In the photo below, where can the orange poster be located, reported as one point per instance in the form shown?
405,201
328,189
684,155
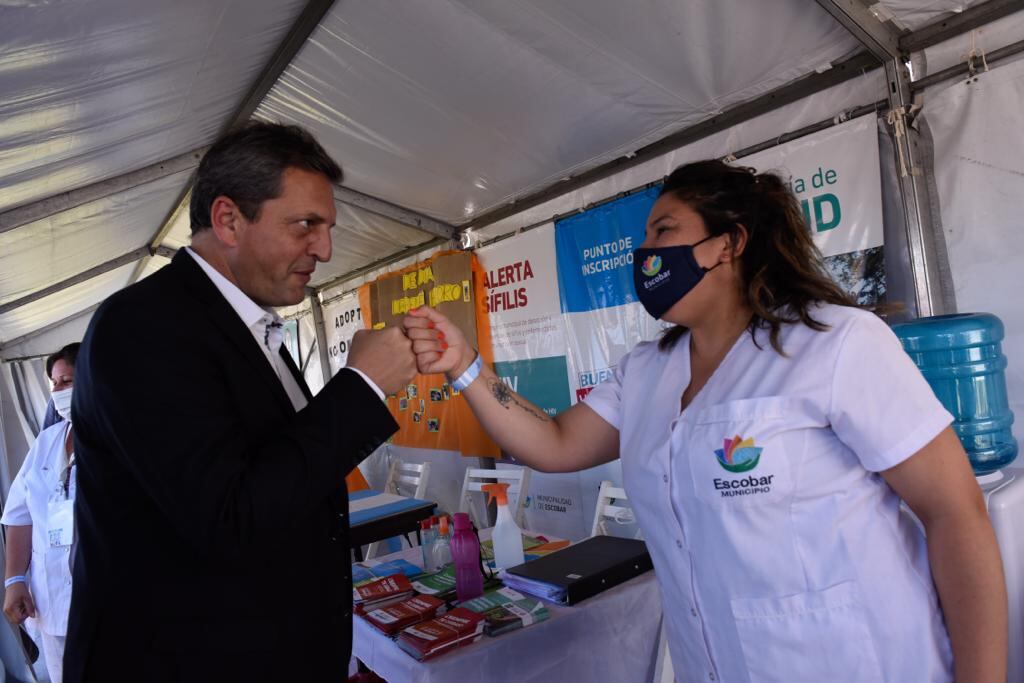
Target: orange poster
430,413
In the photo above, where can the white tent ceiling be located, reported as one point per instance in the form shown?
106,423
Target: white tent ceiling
52,309
913,14
450,108
446,108
95,88
65,244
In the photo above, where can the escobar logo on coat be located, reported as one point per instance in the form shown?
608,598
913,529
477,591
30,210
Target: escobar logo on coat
739,455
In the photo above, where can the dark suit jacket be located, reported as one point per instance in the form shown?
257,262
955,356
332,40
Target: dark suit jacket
211,517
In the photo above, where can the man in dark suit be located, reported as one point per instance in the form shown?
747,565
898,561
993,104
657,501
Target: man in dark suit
211,513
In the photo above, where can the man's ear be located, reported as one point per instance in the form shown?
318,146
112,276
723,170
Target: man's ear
226,220
735,244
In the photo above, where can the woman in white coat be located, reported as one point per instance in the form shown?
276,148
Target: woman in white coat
767,441
39,517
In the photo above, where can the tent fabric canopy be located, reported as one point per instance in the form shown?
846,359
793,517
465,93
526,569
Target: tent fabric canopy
96,88
446,108
69,242
23,320
515,95
913,14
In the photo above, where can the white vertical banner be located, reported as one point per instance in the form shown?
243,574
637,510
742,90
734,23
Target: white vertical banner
522,296
527,328
836,176
528,339
342,319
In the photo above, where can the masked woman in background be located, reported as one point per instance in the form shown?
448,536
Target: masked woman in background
767,441
39,517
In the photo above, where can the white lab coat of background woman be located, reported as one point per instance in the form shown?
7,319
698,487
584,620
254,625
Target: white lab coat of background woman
39,516
44,485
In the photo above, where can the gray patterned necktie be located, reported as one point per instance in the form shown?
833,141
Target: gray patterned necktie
273,336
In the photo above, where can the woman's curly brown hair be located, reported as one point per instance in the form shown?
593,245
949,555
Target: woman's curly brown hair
781,270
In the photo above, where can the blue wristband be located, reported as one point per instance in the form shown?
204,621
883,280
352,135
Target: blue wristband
13,580
471,373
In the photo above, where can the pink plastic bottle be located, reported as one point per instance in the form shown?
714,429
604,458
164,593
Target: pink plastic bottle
469,580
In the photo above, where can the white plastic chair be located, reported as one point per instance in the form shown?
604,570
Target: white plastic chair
404,479
609,507
407,479
518,479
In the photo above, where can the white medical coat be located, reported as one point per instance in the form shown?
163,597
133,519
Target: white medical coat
41,478
782,555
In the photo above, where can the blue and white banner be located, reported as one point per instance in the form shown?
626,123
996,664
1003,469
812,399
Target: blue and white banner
595,253
603,318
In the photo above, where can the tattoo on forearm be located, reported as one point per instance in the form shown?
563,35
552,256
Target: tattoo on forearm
504,396
501,392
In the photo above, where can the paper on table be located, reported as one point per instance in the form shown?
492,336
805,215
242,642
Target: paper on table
371,570
538,589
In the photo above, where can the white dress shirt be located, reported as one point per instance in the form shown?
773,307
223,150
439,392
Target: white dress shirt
781,553
257,318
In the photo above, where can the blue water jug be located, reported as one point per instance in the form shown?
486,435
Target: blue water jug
961,356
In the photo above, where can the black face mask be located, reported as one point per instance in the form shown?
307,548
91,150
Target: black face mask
664,275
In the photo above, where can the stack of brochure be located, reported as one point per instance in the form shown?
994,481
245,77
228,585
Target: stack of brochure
381,593
533,547
391,620
431,638
441,584
540,589
507,610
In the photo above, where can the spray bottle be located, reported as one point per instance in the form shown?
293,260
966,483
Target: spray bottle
469,580
507,538
442,551
427,536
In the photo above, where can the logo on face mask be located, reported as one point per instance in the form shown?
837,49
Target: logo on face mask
664,275
651,266
738,455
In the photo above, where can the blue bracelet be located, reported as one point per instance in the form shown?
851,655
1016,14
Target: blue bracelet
13,580
471,373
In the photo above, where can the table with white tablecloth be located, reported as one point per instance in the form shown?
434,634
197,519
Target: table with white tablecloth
610,637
